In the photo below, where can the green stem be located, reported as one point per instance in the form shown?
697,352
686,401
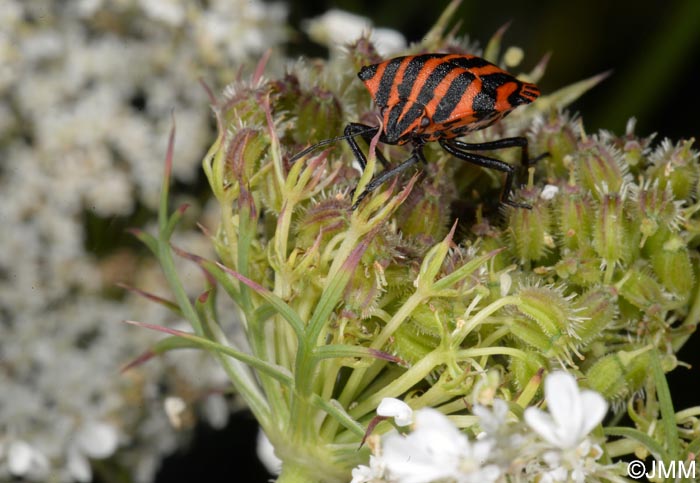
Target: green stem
480,317
292,473
401,384
355,381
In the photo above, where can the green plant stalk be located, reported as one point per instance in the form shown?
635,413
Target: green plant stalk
480,317
636,437
668,417
401,384
306,364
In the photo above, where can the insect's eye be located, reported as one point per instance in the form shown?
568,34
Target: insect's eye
383,111
424,122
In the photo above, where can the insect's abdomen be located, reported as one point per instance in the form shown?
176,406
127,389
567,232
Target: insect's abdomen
457,93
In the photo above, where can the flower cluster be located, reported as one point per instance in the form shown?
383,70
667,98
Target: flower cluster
347,303
87,88
553,446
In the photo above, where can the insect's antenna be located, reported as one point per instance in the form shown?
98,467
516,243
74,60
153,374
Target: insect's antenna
326,142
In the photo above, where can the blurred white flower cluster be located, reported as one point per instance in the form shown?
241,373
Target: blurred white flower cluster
552,446
87,88
337,28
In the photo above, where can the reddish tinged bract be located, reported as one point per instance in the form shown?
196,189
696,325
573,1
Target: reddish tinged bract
439,97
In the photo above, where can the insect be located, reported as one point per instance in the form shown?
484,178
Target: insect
439,97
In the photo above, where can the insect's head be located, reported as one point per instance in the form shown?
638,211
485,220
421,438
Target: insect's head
526,94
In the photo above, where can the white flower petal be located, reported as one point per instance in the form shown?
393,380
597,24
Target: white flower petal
491,420
266,454
25,460
216,410
542,424
79,466
436,450
390,407
361,474
97,440
595,407
572,413
19,457
365,474
563,400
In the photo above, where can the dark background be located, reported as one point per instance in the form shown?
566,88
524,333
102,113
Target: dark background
653,49
651,46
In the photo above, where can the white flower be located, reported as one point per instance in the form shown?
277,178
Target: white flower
397,409
436,450
573,413
368,474
168,11
491,421
25,460
337,28
216,411
95,440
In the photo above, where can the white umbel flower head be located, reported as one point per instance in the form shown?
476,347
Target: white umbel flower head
573,412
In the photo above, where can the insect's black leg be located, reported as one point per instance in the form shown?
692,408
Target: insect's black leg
455,148
514,142
357,130
385,176
367,132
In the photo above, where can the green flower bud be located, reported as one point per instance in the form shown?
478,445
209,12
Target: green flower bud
617,376
557,135
673,267
242,104
597,309
531,334
659,212
547,307
244,155
312,106
675,166
284,96
633,153
326,218
611,239
640,288
522,370
411,343
549,323
574,218
424,215
598,166
430,317
529,230
634,149
364,289
581,267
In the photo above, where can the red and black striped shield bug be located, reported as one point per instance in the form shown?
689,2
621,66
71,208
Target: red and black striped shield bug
439,97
